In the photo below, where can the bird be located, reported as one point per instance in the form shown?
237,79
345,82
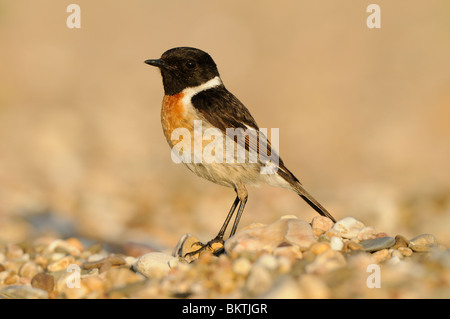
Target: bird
195,94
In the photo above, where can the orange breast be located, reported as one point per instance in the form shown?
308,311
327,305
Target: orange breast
175,115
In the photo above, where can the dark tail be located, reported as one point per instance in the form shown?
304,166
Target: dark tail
297,187
312,202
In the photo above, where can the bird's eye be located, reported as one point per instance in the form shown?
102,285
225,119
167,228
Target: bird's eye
191,64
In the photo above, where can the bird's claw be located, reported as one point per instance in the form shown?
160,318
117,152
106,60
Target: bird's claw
214,246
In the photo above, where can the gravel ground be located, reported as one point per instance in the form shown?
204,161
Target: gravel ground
289,258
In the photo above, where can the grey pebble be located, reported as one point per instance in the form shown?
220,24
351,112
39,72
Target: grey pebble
375,244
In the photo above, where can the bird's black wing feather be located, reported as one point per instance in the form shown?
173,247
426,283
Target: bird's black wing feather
223,110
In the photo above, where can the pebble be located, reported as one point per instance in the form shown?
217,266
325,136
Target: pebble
321,223
299,233
29,269
12,278
70,286
72,246
375,244
423,243
288,258
186,244
43,281
325,262
400,241
268,261
405,251
242,266
366,233
22,292
154,264
336,243
61,264
96,257
289,251
286,230
395,253
395,259
105,263
348,227
351,245
380,256
318,248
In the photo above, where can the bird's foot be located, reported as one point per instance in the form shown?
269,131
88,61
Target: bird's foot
214,246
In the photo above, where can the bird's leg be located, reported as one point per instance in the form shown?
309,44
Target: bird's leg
243,196
238,216
215,245
227,220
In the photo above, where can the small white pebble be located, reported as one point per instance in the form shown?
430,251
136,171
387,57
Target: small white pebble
96,257
268,261
348,227
288,217
394,260
336,243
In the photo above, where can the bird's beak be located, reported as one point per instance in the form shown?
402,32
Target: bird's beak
158,63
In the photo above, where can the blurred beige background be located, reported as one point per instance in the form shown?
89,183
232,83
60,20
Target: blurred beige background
363,114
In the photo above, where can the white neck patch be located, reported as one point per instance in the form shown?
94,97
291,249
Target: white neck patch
191,91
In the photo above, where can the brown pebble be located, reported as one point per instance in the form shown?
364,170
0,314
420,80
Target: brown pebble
317,232
381,255
284,244
106,263
351,245
320,247
400,241
76,243
12,279
331,233
43,281
41,261
405,251
61,264
116,260
105,267
322,223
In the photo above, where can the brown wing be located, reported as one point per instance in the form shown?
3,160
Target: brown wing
223,110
